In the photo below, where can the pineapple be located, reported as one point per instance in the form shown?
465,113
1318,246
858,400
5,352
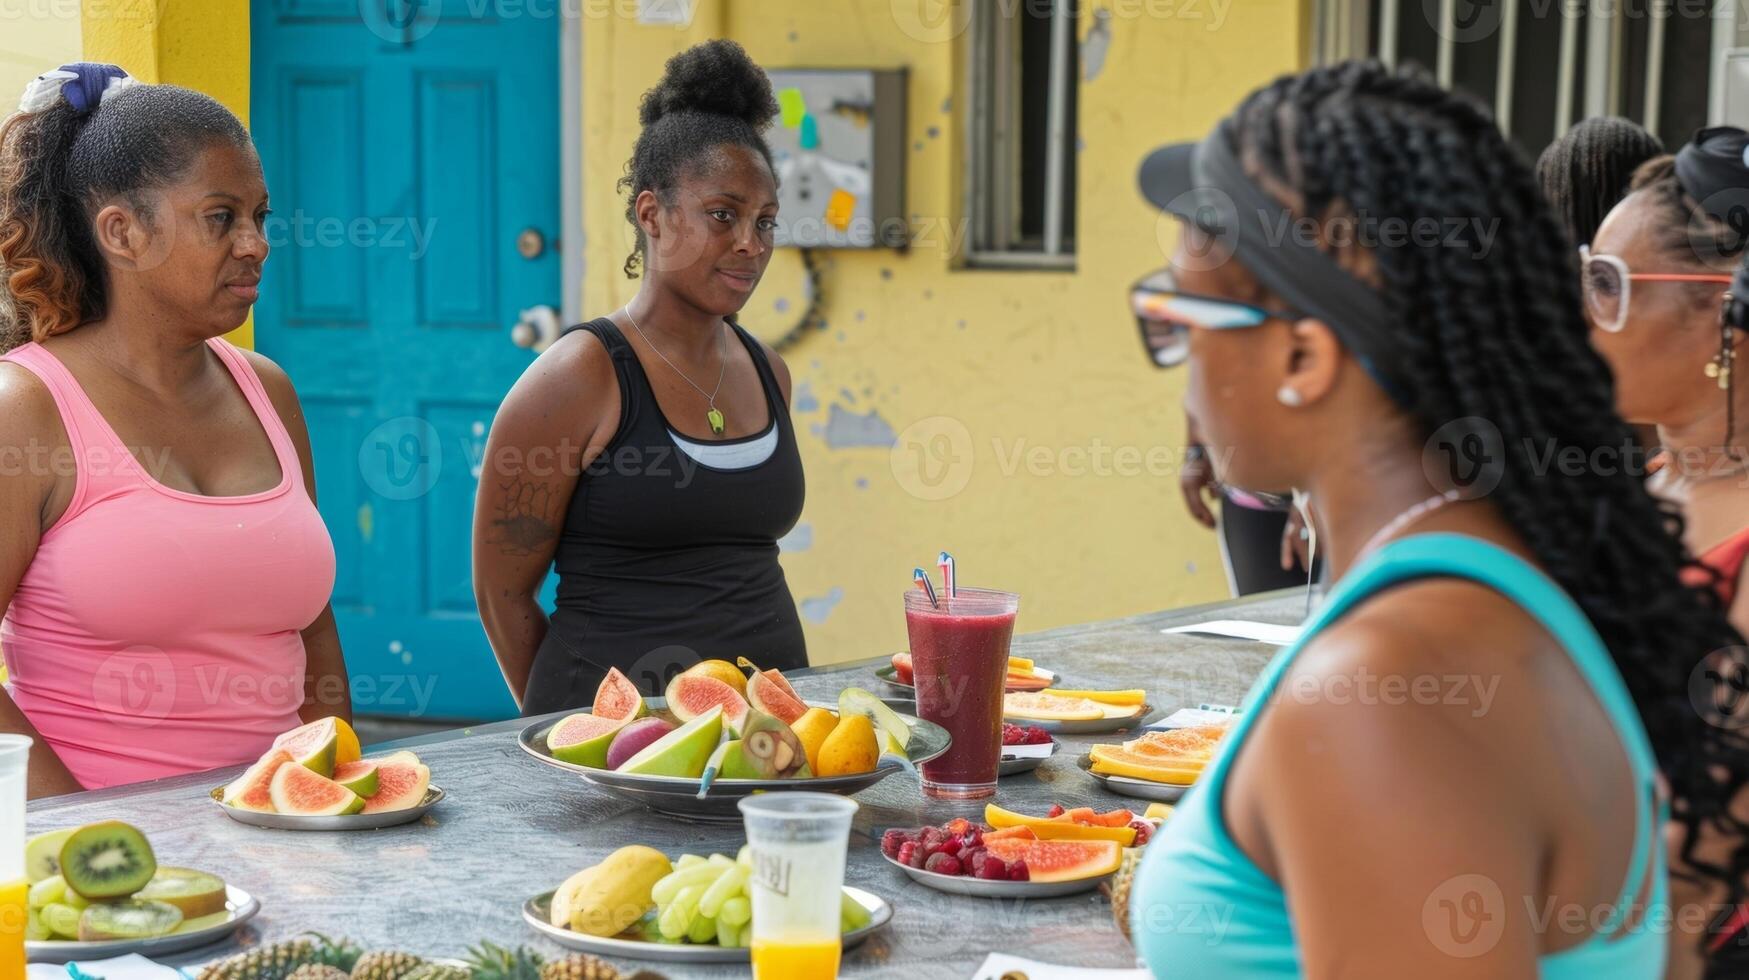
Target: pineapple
439,971
314,971
489,962
579,966
280,960
1119,889
385,965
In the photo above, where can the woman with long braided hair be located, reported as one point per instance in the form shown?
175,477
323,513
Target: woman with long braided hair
1456,771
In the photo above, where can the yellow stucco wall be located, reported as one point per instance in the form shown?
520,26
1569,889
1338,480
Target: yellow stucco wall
1029,388
35,35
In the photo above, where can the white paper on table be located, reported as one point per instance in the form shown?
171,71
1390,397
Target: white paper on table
1042,750
996,965
1243,629
133,967
1191,718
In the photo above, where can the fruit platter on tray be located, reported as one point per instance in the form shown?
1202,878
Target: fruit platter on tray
314,779
313,956
1024,748
98,891
1023,675
1013,855
709,742
1155,765
694,909
1076,712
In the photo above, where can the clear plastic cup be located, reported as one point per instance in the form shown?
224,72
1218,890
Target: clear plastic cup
797,842
959,656
14,888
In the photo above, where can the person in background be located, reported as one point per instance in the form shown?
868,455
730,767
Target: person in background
1351,834
1658,291
1263,536
672,465
163,570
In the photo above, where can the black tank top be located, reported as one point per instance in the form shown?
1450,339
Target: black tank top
664,561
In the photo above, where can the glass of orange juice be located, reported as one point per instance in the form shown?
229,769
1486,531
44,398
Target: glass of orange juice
798,842
14,888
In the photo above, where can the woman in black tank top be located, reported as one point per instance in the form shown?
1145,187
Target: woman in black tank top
649,455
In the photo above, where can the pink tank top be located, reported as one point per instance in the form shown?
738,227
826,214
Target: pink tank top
157,632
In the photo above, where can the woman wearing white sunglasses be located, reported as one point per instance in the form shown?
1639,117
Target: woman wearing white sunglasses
1658,291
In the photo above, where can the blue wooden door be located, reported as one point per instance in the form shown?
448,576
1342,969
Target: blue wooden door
406,150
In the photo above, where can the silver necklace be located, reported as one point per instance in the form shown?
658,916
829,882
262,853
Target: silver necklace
1407,517
714,416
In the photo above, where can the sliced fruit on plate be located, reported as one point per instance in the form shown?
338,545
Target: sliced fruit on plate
689,696
1157,811
775,697
401,785
1059,860
583,739
1087,815
903,672
132,919
194,893
1020,665
618,697
361,777
1006,833
1064,827
772,674
42,855
1184,746
301,792
1115,760
315,746
108,860
1134,696
856,701
632,739
250,790
1049,707
723,671
683,751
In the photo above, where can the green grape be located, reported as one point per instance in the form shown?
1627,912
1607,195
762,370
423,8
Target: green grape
672,922
50,889
76,900
703,929
722,861
34,930
736,911
701,873
726,933
744,857
687,861
733,882
852,912
62,920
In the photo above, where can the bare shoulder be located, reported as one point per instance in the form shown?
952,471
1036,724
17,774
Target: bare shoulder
27,410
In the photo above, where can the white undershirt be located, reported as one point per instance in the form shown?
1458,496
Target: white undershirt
729,456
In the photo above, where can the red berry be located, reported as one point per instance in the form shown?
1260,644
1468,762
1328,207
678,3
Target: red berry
903,854
1056,810
974,859
891,841
1017,871
1144,831
942,864
950,846
1037,736
973,838
993,869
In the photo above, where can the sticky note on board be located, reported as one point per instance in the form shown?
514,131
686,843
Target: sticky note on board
791,106
839,208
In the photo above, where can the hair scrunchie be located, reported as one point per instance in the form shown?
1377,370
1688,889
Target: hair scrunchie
84,84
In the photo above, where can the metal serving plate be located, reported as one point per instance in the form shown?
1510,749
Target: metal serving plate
241,905
890,675
357,821
1012,766
678,796
537,911
1141,789
1092,726
986,888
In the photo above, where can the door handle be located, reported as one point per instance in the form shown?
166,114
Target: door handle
537,328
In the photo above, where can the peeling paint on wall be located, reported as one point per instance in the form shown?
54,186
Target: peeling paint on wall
847,395
804,400
1095,45
815,609
847,430
800,538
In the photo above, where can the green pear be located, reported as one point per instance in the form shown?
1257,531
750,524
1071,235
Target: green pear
682,752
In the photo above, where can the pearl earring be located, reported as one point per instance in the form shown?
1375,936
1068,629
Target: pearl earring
1289,396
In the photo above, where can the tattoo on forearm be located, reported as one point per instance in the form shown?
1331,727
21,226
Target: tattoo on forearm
527,519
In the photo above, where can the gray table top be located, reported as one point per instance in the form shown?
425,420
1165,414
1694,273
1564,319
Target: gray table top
512,828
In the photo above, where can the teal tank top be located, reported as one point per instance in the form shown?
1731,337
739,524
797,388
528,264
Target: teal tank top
1195,865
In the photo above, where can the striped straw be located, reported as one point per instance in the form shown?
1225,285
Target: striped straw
921,577
947,579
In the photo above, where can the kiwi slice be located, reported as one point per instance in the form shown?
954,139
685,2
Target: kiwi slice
60,920
132,919
107,860
42,854
195,893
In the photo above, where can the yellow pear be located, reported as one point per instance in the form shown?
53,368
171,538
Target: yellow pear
850,749
812,729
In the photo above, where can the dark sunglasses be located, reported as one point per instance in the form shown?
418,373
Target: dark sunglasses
1166,314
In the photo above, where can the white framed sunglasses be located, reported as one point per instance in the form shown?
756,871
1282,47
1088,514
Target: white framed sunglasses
1606,282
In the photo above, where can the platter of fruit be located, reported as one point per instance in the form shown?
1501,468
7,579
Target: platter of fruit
1023,675
694,909
1156,765
313,956
315,779
1068,712
98,891
1012,855
707,743
1024,748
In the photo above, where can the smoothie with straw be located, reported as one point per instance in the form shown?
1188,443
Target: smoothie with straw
959,654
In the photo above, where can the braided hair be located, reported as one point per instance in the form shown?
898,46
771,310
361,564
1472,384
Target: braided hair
1587,172
59,165
1498,333
710,95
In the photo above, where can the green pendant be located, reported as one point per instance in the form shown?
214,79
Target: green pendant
716,420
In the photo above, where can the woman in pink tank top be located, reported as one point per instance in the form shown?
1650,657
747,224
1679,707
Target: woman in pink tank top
163,569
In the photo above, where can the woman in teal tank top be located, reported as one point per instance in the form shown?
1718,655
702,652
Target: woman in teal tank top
1455,773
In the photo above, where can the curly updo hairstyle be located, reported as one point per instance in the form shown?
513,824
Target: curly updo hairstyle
710,95
58,166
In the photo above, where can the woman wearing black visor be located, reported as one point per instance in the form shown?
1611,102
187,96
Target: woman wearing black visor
1374,303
